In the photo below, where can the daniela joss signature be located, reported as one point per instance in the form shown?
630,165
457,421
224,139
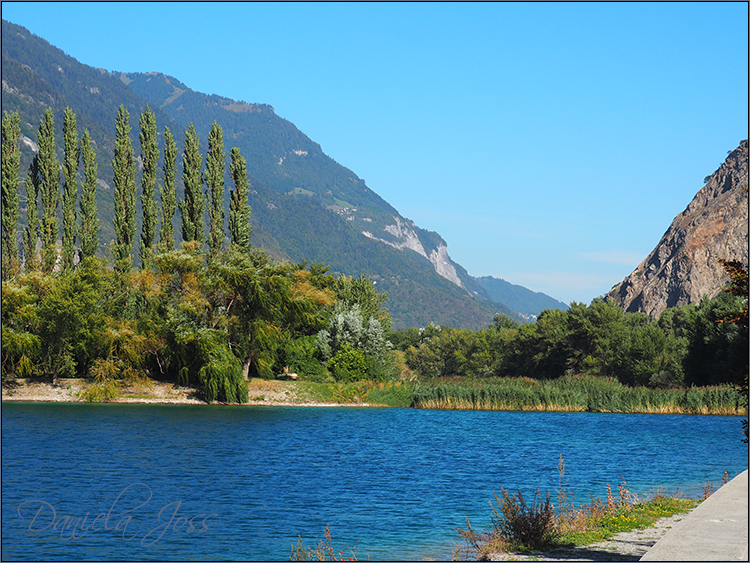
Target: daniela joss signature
120,519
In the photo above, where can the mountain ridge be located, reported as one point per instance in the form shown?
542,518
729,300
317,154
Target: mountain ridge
305,205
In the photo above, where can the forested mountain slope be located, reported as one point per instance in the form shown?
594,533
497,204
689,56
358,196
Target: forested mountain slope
305,206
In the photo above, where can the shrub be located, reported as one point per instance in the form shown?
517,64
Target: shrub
522,525
349,364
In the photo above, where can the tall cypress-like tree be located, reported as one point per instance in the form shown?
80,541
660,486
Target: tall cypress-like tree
214,175
31,235
192,207
11,162
125,191
49,186
239,210
150,158
70,171
168,193
88,232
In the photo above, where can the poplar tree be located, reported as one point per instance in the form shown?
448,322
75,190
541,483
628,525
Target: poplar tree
168,192
70,171
191,208
31,235
11,162
239,210
125,191
214,175
49,187
88,232
150,158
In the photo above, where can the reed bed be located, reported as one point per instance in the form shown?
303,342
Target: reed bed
574,394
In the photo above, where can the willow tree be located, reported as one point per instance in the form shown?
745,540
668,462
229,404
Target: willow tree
192,207
239,210
125,191
88,232
168,193
215,183
49,188
150,160
70,171
11,162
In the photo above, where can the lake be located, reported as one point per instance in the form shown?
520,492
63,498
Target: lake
184,482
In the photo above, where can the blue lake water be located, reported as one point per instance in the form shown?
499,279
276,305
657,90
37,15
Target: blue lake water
164,482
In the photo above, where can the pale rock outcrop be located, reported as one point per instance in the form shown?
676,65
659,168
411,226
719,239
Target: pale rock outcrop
408,238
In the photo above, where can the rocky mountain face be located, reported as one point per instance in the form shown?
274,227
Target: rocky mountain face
684,267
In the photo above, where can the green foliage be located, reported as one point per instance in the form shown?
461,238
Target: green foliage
192,207
301,356
240,228
70,171
214,177
11,161
31,233
348,364
49,189
125,191
168,193
88,232
150,162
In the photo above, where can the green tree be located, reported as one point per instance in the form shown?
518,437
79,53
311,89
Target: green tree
192,207
150,158
361,291
168,193
11,162
70,171
49,187
239,209
88,232
214,177
125,191
31,234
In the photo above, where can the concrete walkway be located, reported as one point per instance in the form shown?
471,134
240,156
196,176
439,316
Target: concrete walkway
716,530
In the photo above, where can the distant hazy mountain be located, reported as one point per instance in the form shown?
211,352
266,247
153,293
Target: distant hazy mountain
684,267
305,206
517,297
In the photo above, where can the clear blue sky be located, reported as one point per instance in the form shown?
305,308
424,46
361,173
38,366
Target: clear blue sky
550,145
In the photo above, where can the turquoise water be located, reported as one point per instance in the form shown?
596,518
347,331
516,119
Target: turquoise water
163,482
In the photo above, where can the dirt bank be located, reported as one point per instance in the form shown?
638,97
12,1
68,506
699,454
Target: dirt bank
260,392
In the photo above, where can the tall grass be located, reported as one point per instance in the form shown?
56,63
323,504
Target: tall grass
576,393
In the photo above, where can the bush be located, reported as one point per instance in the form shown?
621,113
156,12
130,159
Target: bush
349,364
521,525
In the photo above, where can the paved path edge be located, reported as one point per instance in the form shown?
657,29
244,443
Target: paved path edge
715,530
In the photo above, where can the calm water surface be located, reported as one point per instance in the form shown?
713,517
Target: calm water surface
158,482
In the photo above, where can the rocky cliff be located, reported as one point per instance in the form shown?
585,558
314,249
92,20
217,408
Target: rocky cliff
684,267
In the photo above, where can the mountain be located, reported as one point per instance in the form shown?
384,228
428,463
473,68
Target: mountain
305,205
518,298
684,267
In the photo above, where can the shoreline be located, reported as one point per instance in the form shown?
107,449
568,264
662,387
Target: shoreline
271,393
261,392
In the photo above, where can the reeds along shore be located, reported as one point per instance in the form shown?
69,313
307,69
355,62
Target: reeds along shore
575,394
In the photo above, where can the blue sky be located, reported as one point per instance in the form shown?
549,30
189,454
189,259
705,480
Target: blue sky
550,144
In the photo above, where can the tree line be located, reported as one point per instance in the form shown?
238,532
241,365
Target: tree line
209,319
39,250
692,345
